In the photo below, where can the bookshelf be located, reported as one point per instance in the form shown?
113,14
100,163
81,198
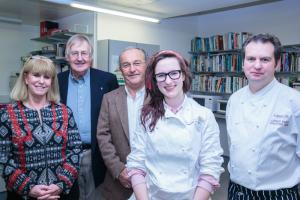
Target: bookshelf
216,64
289,71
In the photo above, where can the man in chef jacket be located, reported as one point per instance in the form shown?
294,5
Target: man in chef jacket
263,125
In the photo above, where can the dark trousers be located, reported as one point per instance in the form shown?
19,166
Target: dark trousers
238,192
73,195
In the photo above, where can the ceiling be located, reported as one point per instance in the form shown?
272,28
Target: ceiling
33,11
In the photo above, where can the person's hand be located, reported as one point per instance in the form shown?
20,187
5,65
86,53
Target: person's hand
44,192
49,197
124,179
54,192
38,191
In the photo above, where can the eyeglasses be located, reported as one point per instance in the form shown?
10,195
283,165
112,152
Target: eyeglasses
83,54
137,63
174,75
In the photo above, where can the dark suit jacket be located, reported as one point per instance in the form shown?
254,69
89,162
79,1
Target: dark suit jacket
101,82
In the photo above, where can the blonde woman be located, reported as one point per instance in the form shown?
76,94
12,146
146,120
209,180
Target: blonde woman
39,139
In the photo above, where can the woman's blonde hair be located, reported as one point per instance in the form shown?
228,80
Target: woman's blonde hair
36,64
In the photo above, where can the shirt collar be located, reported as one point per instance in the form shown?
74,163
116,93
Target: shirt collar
260,95
264,90
82,79
139,93
175,110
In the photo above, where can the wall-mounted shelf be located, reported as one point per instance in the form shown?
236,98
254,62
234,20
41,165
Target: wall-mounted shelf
219,73
57,37
58,40
229,51
224,94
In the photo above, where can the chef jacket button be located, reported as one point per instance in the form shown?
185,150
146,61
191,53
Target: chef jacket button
184,171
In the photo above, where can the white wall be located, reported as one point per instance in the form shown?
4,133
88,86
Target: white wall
15,42
279,18
169,34
81,23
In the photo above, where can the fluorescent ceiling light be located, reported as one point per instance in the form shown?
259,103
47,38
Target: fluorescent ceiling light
113,12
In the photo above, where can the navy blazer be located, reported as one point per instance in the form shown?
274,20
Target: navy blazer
101,83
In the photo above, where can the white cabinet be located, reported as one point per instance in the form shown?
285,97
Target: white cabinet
108,52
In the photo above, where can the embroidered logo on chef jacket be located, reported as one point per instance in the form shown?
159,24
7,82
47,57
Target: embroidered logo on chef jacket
279,119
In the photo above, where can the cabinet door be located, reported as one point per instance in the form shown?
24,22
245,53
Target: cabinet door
108,52
149,48
115,49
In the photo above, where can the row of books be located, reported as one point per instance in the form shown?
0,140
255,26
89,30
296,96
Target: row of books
287,80
216,63
233,62
229,84
227,41
217,84
290,62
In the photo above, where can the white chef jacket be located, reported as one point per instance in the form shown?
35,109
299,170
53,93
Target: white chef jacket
264,137
181,148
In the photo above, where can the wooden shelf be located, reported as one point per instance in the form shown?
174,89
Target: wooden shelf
57,37
210,93
285,48
221,73
229,51
293,48
59,60
287,73
220,115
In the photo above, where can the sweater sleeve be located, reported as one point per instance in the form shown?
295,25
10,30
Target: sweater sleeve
15,178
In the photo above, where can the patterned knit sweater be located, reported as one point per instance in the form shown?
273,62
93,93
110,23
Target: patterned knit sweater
38,152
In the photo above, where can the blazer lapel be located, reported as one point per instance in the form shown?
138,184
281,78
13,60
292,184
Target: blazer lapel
63,86
121,104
